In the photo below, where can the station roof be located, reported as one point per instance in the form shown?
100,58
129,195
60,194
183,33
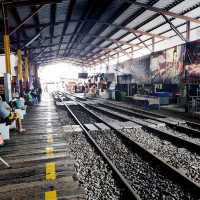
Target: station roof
88,31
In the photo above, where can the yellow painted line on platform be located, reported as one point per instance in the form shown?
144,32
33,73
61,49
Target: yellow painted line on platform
51,195
50,171
50,138
50,151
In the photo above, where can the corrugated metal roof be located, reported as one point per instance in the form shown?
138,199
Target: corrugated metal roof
69,18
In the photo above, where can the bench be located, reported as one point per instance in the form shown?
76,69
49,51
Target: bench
5,129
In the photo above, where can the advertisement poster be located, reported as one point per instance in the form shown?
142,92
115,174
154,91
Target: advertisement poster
138,68
192,60
167,66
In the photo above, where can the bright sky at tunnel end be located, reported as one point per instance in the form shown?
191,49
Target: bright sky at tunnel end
57,71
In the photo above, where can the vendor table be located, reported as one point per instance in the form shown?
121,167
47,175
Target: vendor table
148,102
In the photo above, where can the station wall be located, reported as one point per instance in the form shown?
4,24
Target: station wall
170,66
138,68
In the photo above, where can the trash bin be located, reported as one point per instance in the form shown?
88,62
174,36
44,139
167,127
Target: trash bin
123,96
117,95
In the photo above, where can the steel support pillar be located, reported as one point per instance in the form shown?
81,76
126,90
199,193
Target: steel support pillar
36,83
108,62
186,75
117,58
26,72
7,53
153,44
132,52
188,31
6,40
19,71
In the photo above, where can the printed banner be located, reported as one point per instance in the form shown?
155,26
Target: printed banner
192,60
167,66
138,68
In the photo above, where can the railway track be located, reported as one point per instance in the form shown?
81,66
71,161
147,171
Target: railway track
175,155
139,166
182,153
188,139
97,174
185,131
186,126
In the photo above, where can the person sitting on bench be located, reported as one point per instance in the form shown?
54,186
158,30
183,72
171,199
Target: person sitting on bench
8,116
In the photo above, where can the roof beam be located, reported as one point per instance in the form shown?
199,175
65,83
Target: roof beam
117,42
53,20
162,11
30,2
36,19
66,23
170,6
96,10
125,22
114,40
85,43
108,52
162,40
84,15
124,52
122,8
34,38
14,13
25,20
53,51
129,30
108,39
174,28
138,37
99,55
55,60
41,52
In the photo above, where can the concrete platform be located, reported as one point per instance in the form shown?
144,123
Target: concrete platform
41,165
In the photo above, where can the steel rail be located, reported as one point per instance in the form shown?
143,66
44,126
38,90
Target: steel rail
131,108
186,130
157,117
184,180
192,124
131,194
161,133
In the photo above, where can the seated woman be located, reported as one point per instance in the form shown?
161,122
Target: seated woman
8,116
